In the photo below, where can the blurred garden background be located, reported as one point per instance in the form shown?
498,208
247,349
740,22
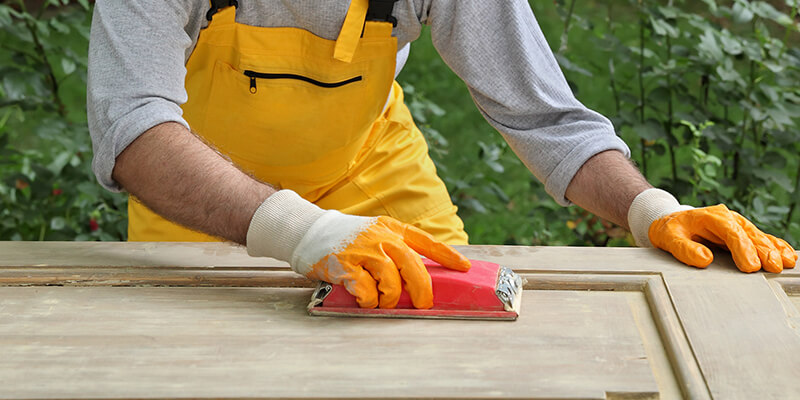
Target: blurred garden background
706,94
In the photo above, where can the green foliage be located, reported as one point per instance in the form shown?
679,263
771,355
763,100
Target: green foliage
703,165
47,189
707,95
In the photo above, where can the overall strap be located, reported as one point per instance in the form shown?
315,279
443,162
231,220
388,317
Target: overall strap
347,41
216,5
360,11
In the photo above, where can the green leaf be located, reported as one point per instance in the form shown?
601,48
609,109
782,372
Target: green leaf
43,28
5,15
726,72
709,47
770,92
779,116
4,119
710,170
568,65
57,223
756,113
774,66
730,44
669,12
766,10
474,204
59,162
647,52
75,161
781,210
698,154
712,5
778,177
753,50
495,166
659,94
775,159
59,26
712,159
741,12
14,87
496,190
650,130
663,28
68,66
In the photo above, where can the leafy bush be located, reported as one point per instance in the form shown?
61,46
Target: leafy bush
707,94
47,189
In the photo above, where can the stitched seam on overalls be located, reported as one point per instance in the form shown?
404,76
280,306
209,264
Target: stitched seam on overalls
433,211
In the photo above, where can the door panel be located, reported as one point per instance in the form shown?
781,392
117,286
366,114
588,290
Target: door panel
204,320
250,342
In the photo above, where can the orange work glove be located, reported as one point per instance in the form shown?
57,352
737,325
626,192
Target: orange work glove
370,257
681,230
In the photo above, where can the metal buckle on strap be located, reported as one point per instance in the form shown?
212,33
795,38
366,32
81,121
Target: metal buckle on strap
381,10
218,4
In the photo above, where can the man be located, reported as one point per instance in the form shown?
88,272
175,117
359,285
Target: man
299,96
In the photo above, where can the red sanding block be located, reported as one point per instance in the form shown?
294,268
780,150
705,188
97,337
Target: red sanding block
487,291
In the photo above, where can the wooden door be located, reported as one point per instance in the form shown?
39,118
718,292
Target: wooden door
145,320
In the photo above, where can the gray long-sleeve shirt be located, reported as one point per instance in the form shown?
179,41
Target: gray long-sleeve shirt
139,48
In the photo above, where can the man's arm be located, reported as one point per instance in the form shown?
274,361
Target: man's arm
179,177
606,186
497,48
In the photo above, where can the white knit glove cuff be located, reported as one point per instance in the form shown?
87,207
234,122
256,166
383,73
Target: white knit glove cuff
279,224
647,207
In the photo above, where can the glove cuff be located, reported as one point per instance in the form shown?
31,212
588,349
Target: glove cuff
279,224
647,207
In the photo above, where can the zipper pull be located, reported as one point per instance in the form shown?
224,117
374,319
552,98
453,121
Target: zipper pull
253,88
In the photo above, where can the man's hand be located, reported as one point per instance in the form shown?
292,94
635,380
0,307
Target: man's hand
370,257
657,219
680,233
609,186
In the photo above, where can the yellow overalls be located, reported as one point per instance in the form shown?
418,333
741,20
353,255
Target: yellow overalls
308,114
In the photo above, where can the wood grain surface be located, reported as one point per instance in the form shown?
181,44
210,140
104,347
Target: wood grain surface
181,320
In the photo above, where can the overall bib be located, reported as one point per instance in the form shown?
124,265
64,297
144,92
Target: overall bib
309,114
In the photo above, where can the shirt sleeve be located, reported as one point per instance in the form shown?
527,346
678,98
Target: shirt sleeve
136,74
499,51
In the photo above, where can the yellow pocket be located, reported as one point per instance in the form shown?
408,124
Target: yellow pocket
280,118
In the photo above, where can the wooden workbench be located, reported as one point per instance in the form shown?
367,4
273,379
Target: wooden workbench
146,320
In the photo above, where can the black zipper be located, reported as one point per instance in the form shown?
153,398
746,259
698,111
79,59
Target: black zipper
253,75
